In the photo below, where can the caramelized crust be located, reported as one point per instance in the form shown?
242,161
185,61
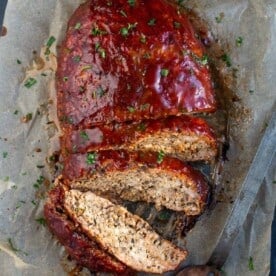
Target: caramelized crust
85,251
121,63
186,137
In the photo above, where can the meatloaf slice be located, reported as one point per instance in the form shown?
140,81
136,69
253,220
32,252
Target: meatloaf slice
84,250
124,235
127,62
188,138
139,176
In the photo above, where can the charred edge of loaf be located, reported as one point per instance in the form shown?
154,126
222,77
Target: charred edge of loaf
85,251
185,137
139,176
124,235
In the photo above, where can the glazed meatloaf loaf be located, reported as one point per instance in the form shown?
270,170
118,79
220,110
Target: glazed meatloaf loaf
188,138
139,176
123,237
130,60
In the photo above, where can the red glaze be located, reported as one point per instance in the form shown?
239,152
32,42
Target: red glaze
115,135
105,76
77,167
86,252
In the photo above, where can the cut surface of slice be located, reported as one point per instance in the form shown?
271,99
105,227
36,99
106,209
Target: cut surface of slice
122,234
139,176
185,137
147,64
85,251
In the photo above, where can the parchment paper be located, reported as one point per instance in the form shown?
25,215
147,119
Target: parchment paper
26,246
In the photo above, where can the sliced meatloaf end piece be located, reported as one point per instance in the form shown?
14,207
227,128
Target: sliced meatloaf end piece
85,251
185,137
139,176
117,68
124,235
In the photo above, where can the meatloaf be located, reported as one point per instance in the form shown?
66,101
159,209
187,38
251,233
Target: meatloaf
139,176
102,236
130,60
185,137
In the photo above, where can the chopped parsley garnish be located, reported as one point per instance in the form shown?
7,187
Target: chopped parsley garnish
122,12
27,118
251,91
177,25
84,135
65,79
91,158
204,60
145,106
30,82
15,112
152,22
164,215
160,157
250,264
239,41
40,166
102,52
219,17
5,154
76,59
131,109
39,182
180,2
14,187
96,31
13,248
131,2
6,179
125,30
41,221
227,60
164,72
50,41
141,127
18,61
274,182
100,91
34,203
143,38
146,55
86,67
77,26
43,75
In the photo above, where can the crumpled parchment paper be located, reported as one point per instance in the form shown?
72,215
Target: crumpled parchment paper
26,246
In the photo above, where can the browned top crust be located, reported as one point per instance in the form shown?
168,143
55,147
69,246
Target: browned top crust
123,62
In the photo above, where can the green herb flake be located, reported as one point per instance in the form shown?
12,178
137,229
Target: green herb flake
152,22
39,182
160,157
15,112
164,72
5,154
143,38
131,2
41,221
131,109
146,55
219,17
34,203
6,179
96,31
65,79
100,92
30,82
251,91
14,187
204,60
239,41
141,127
76,59
145,106
250,264
91,158
176,24
40,166
274,182
164,215
180,2
122,12
50,41
18,61
77,26
29,117
227,60
84,135
86,67
43,75
124,31
13,248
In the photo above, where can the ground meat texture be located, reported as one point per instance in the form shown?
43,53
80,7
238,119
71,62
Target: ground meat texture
122,234
85,251
139,176
185,137
122,62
